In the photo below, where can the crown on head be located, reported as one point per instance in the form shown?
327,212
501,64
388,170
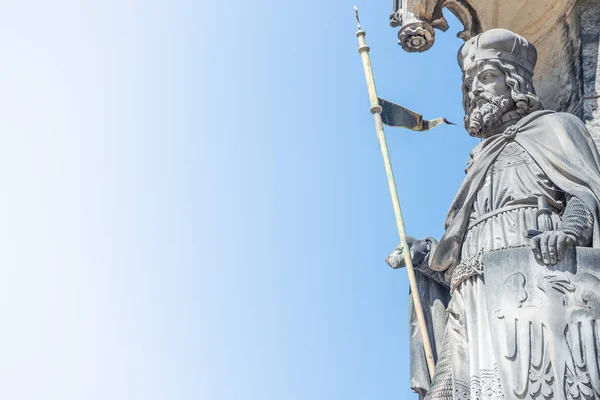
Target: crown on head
500,44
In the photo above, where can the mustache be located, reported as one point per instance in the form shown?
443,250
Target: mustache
488,97
484,116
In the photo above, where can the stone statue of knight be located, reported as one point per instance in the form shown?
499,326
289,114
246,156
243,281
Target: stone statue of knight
523,313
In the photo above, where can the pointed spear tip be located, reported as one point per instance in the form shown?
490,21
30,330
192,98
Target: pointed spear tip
357,20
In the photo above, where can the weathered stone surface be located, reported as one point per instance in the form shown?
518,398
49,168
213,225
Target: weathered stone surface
590,54
552,26
546,321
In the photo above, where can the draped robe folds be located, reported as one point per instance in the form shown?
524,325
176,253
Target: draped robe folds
559,143
561,160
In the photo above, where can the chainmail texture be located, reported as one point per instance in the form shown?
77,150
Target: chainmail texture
578,221
441,386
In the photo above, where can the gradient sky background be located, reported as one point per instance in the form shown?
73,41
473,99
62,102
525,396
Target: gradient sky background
194,203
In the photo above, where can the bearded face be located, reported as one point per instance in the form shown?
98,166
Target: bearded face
485,112
489,97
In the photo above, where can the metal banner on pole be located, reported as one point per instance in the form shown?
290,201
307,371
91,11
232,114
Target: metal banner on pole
376,110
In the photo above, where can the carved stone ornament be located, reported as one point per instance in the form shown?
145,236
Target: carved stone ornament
546,320
420,18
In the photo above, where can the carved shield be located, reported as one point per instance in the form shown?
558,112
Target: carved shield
546,323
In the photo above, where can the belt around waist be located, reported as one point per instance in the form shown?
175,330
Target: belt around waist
498,211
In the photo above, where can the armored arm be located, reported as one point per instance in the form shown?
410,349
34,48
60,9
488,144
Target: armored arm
577,221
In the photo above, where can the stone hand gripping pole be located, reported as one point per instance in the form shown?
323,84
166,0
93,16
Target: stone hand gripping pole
376,110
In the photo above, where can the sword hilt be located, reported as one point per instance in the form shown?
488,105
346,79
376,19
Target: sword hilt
531,233
544,215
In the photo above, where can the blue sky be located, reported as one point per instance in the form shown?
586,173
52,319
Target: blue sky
194,203
305,306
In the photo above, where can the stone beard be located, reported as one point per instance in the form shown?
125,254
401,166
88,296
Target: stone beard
487,114
519,326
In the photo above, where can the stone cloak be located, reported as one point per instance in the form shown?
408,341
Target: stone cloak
562,147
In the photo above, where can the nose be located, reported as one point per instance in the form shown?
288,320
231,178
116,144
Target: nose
475,93
477,87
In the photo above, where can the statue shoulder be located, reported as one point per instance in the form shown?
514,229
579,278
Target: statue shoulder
552,118
555,123
560,134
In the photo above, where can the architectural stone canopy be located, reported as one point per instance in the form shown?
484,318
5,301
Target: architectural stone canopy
566,34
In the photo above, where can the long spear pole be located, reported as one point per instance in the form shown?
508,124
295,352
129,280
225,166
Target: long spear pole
376,109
